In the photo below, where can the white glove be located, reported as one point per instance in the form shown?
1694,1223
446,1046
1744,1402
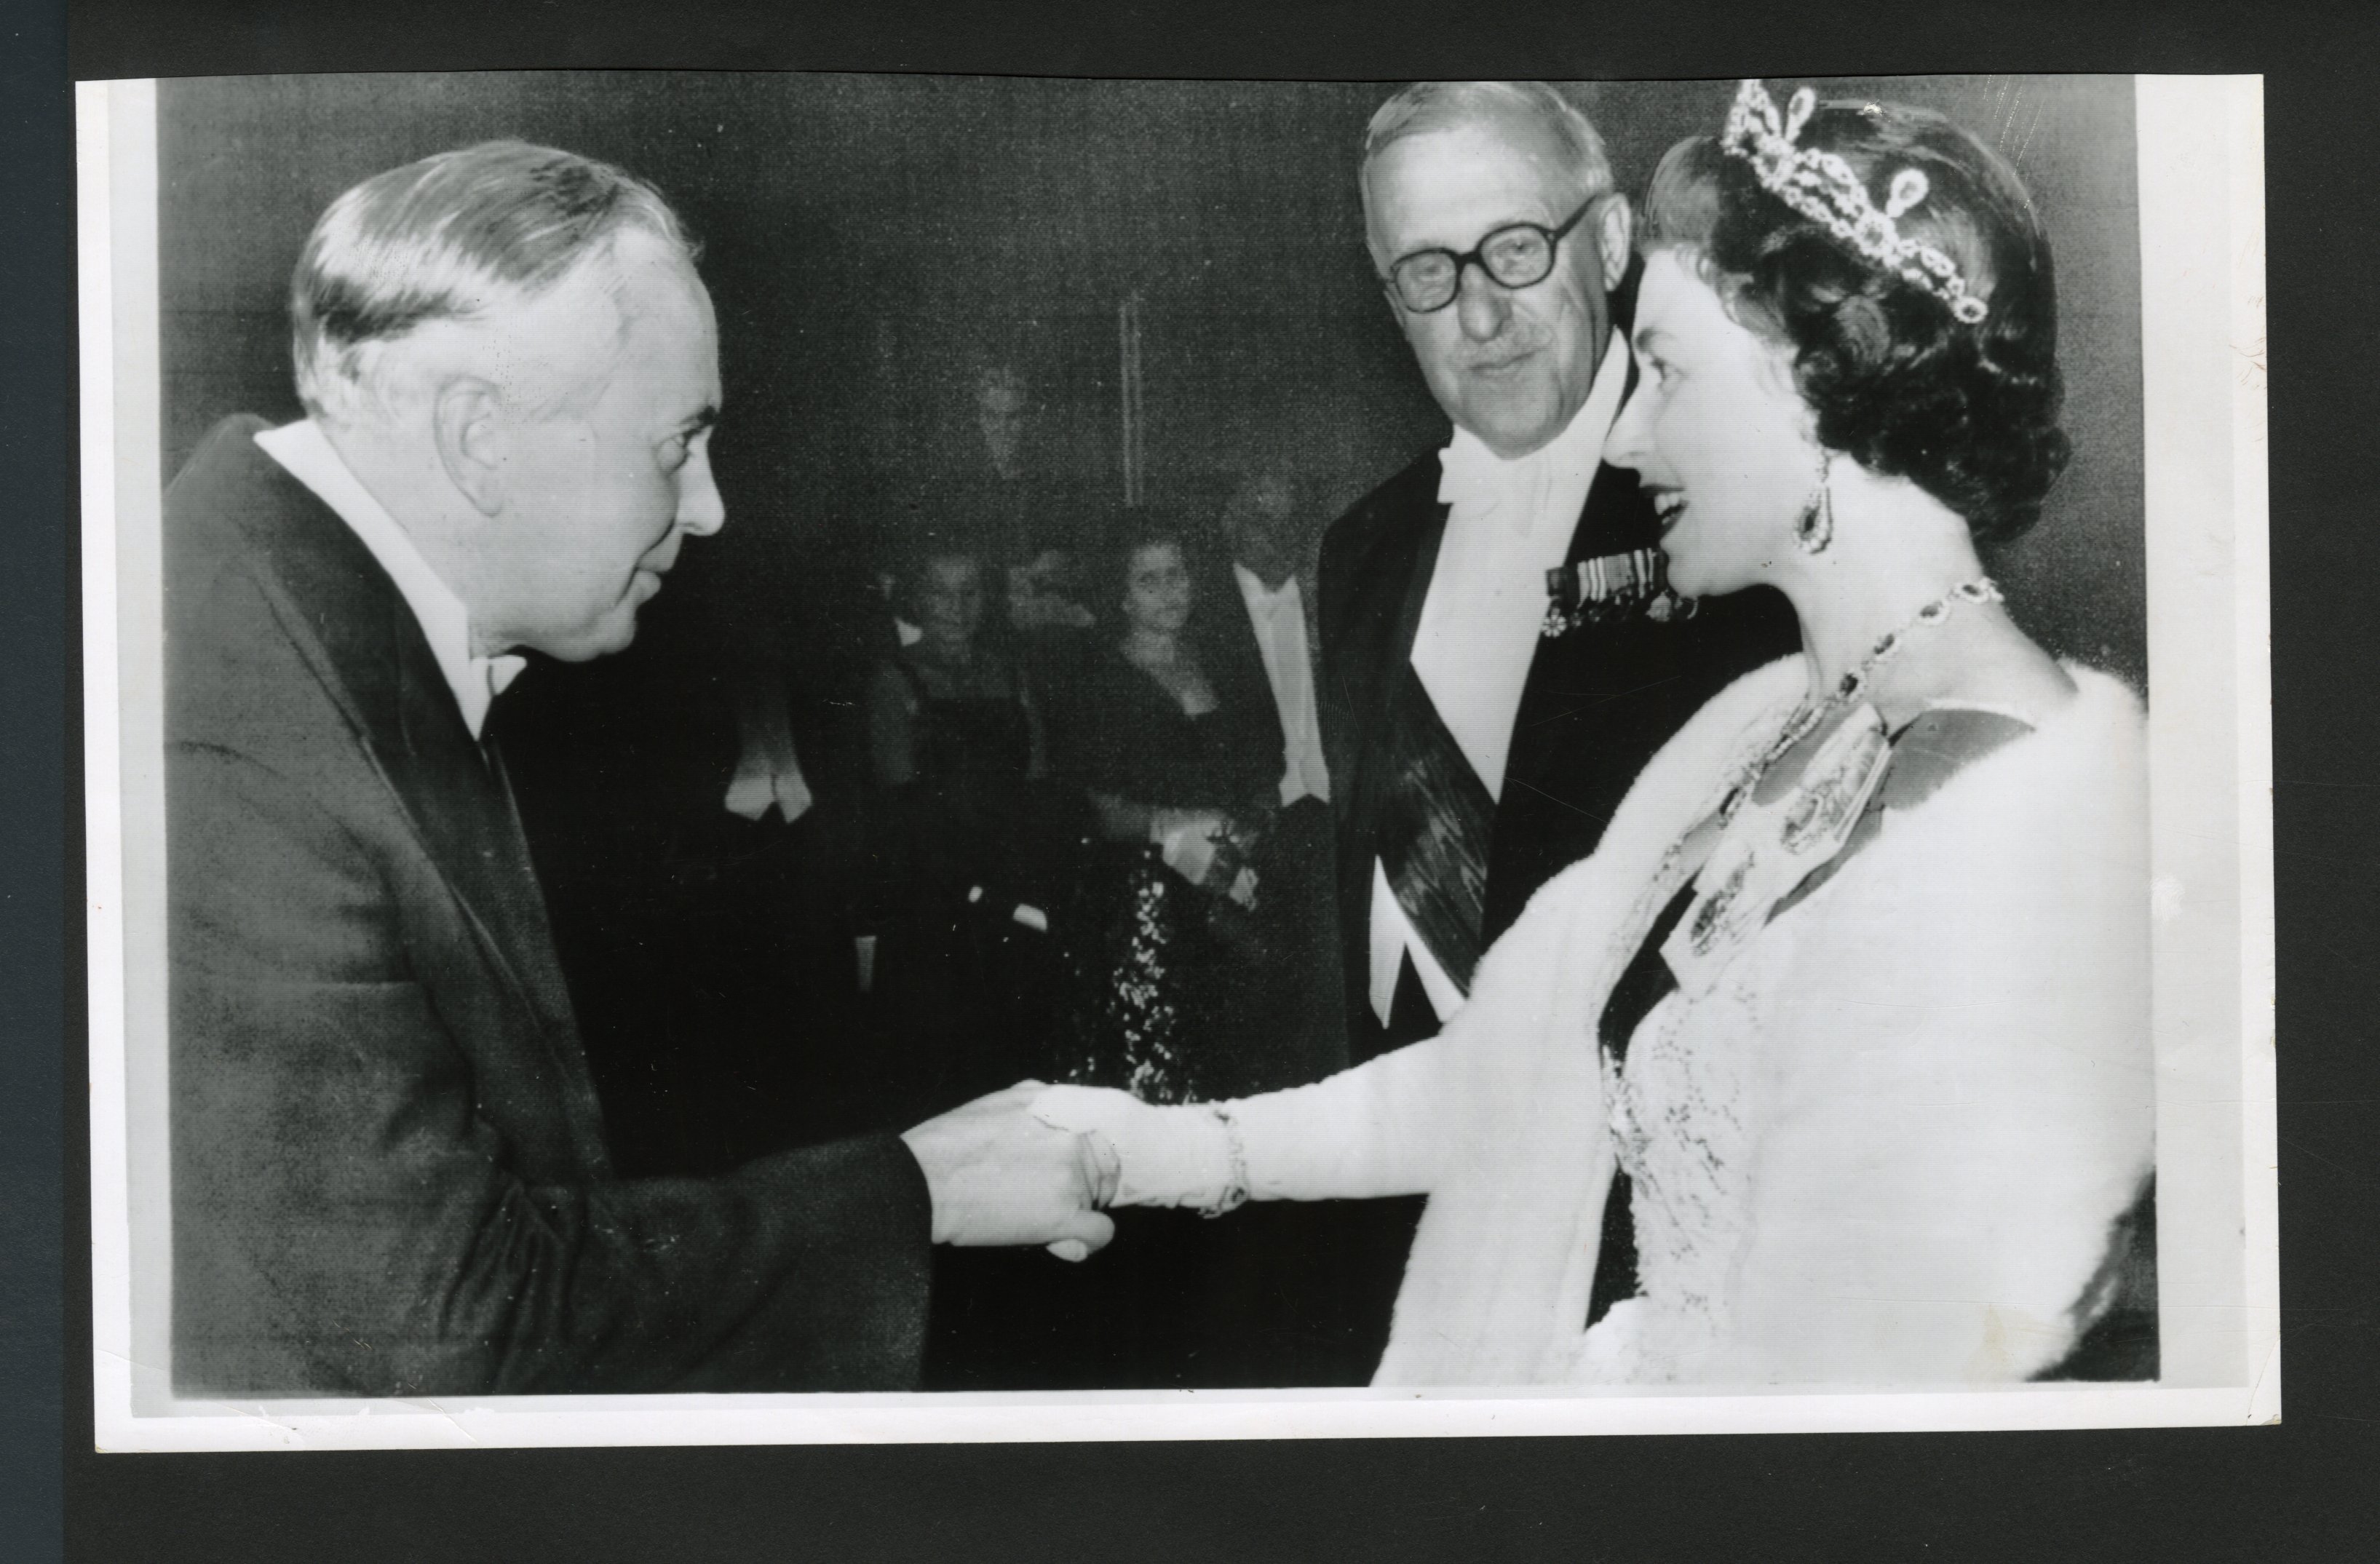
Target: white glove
1180,1156
997,1174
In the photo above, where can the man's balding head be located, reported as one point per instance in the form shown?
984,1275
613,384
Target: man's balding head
410,261
509,345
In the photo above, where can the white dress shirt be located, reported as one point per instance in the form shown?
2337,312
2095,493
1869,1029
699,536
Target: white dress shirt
1510,523
767,770
1279,615
308,455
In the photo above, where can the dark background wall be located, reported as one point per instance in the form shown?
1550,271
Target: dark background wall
871,240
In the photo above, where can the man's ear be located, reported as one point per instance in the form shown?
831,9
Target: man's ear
467,424
1397,312
1615,234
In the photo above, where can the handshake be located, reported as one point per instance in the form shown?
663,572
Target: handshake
1037,1164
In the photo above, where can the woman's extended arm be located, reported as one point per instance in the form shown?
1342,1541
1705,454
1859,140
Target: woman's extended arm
1363,1133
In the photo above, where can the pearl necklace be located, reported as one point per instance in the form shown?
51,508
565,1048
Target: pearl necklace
1809,717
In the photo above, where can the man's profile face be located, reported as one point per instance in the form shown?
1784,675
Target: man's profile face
601,491
1512,366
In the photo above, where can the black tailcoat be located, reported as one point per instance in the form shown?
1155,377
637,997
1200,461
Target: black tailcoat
1599,699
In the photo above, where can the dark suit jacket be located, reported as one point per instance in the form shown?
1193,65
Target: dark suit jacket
1599,701
389,1167
1227,640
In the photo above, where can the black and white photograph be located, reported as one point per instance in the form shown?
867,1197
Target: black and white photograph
808,757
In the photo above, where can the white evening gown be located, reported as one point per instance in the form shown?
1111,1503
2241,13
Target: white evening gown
1889,1145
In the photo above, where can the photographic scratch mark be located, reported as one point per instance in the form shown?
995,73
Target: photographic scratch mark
1558,799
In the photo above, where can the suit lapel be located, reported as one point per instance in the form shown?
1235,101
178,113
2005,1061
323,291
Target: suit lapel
1309,597
459,802
349,620
1232,637
1406,563
1615,518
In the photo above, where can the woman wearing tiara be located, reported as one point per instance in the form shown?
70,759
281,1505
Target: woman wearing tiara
1831,1066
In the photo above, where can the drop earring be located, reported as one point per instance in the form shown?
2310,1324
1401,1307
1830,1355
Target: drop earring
1816,529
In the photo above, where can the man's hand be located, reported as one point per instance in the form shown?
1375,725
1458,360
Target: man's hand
1000,1175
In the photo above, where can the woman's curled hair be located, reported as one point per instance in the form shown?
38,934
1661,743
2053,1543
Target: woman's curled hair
1132,534
1968,413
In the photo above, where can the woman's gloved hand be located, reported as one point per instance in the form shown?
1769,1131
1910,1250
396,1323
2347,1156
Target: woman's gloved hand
1171,1155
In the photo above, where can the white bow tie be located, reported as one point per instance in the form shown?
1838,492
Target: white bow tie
1476,478
500,672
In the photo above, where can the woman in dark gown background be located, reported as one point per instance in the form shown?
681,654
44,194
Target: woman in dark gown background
1166,947
1171,988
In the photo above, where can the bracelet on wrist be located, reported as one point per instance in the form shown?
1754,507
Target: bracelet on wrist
1235,1189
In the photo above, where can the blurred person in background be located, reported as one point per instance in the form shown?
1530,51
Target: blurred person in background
966,838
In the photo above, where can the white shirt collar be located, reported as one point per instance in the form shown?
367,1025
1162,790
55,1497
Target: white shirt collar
308,455
1252,587
1480,482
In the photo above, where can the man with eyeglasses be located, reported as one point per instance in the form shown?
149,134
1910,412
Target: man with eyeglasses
1500,653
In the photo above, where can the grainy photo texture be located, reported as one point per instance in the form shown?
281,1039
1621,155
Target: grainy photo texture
960,740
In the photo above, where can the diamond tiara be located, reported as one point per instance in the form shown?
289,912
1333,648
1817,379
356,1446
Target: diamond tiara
1822,187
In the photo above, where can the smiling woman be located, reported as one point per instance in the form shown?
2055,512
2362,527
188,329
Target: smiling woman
1718,432
874,243
1961,395
1232,206
1874,918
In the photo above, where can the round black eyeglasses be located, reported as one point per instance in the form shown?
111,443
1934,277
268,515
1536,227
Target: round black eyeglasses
1518,255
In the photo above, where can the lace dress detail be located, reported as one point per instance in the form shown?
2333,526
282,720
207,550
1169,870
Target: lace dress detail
1681,1128
1680,1093
1676,1108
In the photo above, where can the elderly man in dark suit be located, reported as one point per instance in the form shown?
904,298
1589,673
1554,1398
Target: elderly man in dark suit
1500,653
389,1175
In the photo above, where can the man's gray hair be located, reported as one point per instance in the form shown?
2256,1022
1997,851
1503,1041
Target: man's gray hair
1438,105
451,238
